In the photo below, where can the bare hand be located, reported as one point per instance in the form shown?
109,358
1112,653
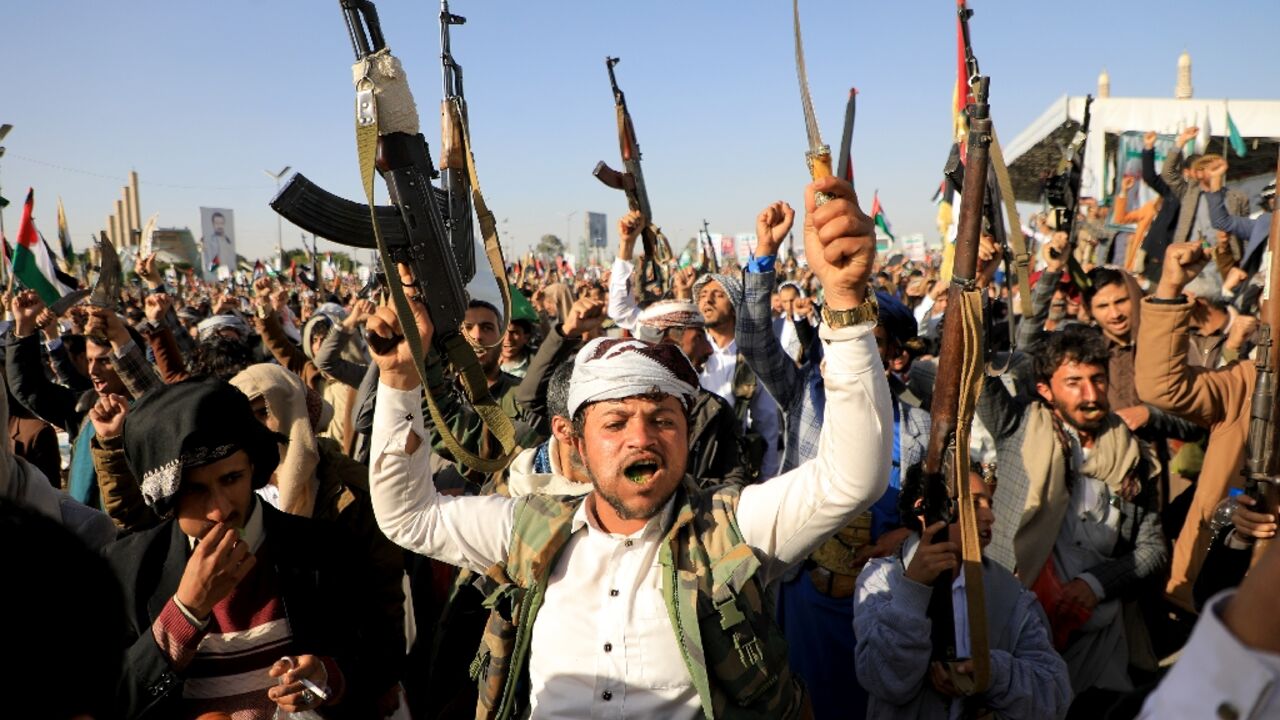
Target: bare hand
262,288
1126,184
361,310
940,677
1241,332
1149,139
148,270
103,322
1078,593
1135,417
585,316
1252,524
839,242
629,228
1055,252
1182,263
932,559
386,338
26,308
772,225
218,563
48,323
107,415
156,307
803,307
288,695
682,283
1186,135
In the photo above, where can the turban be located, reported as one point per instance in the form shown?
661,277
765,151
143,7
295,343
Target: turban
211,325
665,315
896,318
616,368
732,287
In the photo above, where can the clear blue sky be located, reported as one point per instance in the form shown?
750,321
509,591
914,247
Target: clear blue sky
201,97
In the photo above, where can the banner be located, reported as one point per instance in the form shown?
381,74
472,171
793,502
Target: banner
597,230
1128,163
217,240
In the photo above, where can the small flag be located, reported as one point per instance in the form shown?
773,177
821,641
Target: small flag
33,265
877,214
1233,136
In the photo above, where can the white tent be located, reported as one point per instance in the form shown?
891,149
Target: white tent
1035,151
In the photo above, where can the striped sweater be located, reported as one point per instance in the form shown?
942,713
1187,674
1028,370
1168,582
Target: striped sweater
225,662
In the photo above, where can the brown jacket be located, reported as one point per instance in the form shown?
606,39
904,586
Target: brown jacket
1217,399
36,441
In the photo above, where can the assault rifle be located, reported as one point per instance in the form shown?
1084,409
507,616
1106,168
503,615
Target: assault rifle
1262,471
708,250
1062,191
420,227
654,273
946,463
426,228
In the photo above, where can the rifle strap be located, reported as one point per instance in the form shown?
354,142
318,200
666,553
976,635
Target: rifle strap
457,349
971,375
1021,256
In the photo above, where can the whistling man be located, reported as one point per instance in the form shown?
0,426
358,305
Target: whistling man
647,598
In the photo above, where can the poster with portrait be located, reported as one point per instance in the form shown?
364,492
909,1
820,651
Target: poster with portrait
597,230
217,240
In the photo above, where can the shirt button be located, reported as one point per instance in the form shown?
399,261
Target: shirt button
613,593
606,696
608,647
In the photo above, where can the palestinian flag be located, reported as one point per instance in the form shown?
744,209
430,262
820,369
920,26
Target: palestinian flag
877,215
33,264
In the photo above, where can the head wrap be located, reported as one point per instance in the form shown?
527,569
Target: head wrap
190,424
616,368
211,325
794,286
286,398
896,318
732,288
655,320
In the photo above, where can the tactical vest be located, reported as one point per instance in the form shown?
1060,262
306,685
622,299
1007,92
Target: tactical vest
723,617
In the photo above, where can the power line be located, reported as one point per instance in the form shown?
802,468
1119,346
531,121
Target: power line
119,179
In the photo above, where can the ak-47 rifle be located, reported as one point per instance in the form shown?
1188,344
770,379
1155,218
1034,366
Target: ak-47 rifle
946,463
1262,472
1062,191
655,270
708,250
426,228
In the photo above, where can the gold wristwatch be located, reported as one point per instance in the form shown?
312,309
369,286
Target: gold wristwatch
868,311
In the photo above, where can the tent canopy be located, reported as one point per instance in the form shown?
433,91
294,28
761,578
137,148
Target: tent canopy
1034,153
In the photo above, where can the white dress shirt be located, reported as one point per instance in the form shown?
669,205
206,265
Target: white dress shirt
603,643
762,414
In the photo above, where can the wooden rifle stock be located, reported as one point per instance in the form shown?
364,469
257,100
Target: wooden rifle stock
1262,470
946,464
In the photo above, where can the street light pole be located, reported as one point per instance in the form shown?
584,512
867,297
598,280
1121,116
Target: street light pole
568,219
279,223
4,130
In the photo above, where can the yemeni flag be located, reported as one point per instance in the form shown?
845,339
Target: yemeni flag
33,264
877,214
1233,136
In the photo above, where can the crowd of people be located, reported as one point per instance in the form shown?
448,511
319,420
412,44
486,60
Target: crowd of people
715,507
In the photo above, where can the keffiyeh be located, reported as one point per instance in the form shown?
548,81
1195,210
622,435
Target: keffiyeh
664,315
616,368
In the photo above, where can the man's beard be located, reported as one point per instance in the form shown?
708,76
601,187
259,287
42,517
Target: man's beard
619,507
1088,425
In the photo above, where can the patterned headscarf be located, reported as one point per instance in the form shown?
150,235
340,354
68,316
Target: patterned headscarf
655,320
616,368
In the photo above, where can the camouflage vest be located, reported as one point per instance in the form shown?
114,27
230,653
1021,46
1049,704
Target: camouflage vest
723,617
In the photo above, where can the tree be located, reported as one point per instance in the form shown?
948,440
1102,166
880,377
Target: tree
550,246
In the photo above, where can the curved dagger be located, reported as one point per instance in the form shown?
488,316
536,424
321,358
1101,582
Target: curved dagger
819,154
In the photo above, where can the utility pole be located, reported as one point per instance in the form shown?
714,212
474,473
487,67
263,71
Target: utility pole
279,223
4,270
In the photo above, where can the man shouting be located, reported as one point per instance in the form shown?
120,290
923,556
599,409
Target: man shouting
646,597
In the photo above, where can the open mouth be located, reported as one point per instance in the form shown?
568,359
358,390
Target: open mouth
642,471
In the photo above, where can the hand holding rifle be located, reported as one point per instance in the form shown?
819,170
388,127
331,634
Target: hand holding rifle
386,339
932,559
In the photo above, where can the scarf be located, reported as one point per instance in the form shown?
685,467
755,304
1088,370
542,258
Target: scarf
286,398
614,368
1115,454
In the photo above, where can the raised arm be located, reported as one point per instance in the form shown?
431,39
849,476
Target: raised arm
469,531
51,402
785,518
1149,174
1161,373
328,357
1241,227
622,301
754,332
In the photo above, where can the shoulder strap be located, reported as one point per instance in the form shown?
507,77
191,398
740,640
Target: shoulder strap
543,524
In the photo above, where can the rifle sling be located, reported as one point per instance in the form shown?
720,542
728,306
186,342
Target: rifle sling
1021,258
457,349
